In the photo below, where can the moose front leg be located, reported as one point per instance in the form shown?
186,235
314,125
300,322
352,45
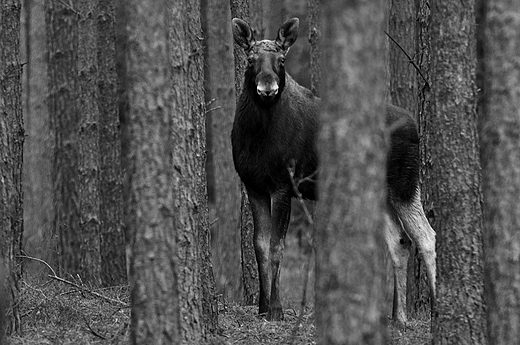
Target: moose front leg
281,213
261,208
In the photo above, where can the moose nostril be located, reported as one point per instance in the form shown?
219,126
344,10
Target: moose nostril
267,92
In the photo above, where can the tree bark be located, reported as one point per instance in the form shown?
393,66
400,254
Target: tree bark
315,45
189,155
240,9
38,209
500,156
153,268
226,185
459,316
62,45
349,246
11,152
419,301
113,259
89,268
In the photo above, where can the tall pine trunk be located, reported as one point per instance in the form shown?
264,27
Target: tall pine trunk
112,240
151,219
459,316
11,153
500,154
349,246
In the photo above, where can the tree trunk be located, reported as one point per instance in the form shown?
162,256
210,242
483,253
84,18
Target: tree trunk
113,260
62,44
226,185
349,245
240,9
500,155
89,268
418,301
459,315
11,152
189,156
314,41
38,209
151,220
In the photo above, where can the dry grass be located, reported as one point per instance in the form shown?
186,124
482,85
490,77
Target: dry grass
57,313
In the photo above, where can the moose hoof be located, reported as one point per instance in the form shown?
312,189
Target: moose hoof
275,314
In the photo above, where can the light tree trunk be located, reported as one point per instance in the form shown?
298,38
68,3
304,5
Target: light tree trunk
151,220
500,155
349,245
189,156
11,152
459,316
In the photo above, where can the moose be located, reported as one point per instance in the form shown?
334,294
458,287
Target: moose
274,138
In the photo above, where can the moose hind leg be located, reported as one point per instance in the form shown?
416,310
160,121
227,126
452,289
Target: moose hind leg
281,212
261,209
398,246
418,228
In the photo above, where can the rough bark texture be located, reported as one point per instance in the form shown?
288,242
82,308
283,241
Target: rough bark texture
500,155
418,299
62,46
38,209
11,157
459,316
314,41
349,246
226,184
189,156
153,269
89,268
113,260
240,9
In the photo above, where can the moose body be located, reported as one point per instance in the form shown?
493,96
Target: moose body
274,143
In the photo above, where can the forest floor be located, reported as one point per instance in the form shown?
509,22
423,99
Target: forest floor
56,313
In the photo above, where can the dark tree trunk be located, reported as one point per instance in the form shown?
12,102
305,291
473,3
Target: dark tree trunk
240,9
459,316
189,156
151,219
500,155
349,245
226,185
113,260
11,156
62,44
89,255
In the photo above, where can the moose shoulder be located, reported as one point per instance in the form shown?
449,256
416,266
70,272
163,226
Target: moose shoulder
274,136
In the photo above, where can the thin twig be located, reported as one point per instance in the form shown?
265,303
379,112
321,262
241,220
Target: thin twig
410,60
92,330
80,287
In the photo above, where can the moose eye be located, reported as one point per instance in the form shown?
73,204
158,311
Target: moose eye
250,60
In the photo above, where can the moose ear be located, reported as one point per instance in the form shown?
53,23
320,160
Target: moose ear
243,34
288,33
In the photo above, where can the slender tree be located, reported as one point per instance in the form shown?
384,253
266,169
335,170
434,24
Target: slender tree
226,186
38,147
240,9
349,246
314,41
62,47
151,219
189,156
459,317
112,240
500,155
89,265
11,151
